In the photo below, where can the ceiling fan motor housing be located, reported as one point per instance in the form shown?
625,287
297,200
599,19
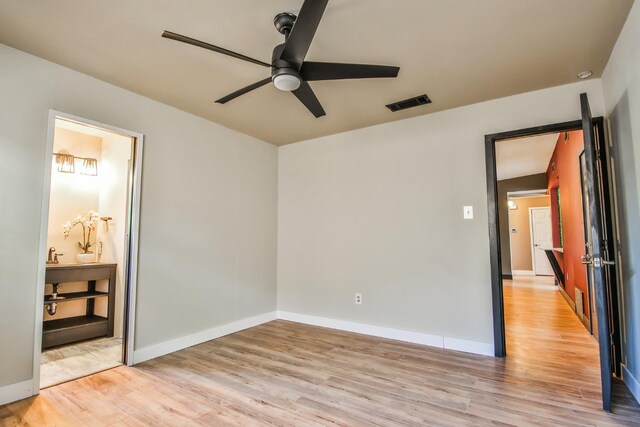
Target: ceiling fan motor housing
284,75
284,22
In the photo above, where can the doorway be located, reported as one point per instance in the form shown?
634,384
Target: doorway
605,284
540,220
87,274
527,234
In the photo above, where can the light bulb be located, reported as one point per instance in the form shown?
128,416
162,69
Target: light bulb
286,82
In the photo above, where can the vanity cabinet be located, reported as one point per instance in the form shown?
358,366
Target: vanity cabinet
78,328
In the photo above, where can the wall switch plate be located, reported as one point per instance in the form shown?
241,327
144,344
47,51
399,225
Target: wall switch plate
468,212
358,298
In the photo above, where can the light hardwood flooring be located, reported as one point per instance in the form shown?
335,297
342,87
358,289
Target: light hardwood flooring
283,373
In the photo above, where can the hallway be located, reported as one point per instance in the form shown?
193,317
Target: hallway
546,340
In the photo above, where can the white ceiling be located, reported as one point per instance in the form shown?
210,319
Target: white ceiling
524,156
457,51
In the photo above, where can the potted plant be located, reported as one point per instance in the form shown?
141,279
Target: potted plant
88,223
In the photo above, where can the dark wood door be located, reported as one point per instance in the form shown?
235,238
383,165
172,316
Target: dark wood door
596,253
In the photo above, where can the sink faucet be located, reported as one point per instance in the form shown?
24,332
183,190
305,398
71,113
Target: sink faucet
53,257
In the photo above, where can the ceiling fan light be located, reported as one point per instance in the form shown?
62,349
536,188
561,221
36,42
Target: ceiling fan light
286,82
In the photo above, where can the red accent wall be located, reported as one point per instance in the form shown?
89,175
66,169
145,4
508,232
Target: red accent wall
564,173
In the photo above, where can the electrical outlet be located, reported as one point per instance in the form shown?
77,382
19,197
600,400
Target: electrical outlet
358,298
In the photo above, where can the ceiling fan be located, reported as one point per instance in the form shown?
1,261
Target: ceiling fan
289,71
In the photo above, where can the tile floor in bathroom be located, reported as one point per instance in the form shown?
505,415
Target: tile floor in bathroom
61,364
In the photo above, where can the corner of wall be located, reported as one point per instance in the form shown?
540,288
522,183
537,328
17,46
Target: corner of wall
18,391
157,350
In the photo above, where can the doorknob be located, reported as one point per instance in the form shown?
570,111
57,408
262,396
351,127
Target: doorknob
597,262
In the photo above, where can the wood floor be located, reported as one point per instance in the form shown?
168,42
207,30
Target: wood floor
284,373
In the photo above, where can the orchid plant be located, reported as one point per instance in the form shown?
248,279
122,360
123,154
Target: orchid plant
88,223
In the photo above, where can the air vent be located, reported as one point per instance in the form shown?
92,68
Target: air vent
409,103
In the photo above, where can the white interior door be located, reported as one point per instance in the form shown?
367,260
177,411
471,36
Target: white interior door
541,239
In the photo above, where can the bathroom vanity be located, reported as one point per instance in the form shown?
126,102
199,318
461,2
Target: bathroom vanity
78,328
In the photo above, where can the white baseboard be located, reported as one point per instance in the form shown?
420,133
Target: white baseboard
18,391
176,344
394,334
631,382
467,346
523,273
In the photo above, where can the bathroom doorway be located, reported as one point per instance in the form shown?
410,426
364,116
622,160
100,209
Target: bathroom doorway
89,250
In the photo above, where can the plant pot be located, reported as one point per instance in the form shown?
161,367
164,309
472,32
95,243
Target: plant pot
86,258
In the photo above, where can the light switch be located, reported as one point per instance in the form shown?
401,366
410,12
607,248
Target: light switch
468,212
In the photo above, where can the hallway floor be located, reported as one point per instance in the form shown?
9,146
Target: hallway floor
546,339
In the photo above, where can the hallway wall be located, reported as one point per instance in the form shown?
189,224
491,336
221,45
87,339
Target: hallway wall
523,183
521,257
564,173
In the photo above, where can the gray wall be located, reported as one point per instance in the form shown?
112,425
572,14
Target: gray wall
522,183
621,83
208,220
380,211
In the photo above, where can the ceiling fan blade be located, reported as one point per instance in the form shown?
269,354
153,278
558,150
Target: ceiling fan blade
298,42
244,90
305,94
313,71
194,42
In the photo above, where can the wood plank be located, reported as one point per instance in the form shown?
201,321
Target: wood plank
287,374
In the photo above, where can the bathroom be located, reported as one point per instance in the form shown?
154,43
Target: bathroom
83,329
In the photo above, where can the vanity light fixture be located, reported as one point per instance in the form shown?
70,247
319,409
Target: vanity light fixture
89,166
65,163
512,205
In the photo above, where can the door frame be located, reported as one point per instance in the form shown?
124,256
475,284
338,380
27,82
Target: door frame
533,249
130,269
499,336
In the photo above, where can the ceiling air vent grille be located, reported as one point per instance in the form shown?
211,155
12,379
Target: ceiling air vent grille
409,103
